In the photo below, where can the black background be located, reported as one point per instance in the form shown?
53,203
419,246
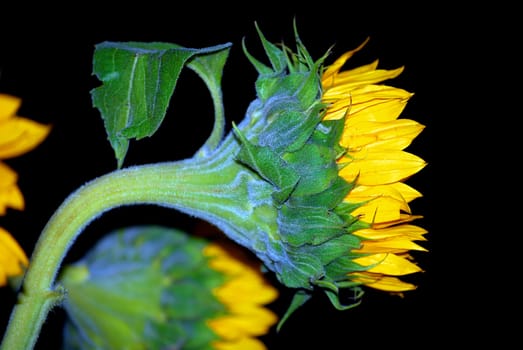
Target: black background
47,60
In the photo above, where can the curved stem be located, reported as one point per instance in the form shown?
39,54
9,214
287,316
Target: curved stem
213,84
208,188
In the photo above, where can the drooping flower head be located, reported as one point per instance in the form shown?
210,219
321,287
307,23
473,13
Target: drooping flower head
18,135
331,145
153,287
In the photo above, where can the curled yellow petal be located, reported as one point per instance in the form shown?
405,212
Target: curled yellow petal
331,72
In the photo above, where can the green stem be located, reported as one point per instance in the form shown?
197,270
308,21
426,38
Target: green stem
219,118
213,188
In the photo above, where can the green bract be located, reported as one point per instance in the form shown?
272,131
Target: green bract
285,141
141,288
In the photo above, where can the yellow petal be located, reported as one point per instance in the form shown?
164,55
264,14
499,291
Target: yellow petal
239,344
404,218
354,101
389,264
396,245
7,175
397,190
396,134
412,232
381,209
380,167
333,69
247,288
244,295
10,195
20,135
8,106
369,107
353,79
407,192
241,325
385,283
381,203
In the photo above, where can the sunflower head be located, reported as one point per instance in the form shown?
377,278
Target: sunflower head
156,288
330,145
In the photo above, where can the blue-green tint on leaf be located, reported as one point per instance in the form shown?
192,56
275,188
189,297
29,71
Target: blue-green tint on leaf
269,166
301,270
334,248
144,287
275,55
316,167
299,226
289,127
138,80
299,298
329,198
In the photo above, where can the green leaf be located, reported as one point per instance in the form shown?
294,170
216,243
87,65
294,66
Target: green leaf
138,82
300,298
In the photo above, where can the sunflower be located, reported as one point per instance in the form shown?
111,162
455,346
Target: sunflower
154,287
17,136
375,161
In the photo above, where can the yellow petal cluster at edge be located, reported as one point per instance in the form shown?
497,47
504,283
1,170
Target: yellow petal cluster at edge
244,294
376,161
17,136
